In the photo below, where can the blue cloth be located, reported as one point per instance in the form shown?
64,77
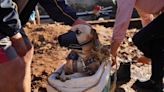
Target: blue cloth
32,16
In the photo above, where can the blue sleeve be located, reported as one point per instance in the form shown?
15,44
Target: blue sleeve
59,11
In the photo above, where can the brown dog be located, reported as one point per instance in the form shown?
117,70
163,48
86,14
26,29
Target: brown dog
89,57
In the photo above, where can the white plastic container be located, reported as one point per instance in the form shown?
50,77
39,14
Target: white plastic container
95,83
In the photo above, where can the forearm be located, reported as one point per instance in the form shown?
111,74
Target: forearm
114,47
121,23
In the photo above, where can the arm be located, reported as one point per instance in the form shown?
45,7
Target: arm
123,15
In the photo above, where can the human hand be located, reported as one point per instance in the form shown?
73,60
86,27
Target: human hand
18,44
113,59
114,46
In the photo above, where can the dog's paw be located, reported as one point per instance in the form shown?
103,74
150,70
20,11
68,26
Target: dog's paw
62,78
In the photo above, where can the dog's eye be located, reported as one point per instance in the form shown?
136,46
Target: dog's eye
78,32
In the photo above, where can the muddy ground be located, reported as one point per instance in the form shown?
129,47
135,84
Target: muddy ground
48,55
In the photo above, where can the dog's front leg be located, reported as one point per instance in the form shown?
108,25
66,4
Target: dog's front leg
62,77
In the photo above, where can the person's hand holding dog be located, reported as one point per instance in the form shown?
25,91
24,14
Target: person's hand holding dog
18,44
113,59
114,46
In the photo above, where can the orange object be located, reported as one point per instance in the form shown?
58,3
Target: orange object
144,60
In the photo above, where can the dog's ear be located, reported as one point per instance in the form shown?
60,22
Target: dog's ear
95,35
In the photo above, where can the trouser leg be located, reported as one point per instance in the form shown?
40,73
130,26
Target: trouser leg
24,15
152,31
150,40
59,11
158,62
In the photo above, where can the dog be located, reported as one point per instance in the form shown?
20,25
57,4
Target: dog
85,55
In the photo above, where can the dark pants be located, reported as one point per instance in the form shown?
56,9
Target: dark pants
150,40
57,10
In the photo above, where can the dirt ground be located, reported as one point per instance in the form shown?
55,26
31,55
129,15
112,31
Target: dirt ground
48,55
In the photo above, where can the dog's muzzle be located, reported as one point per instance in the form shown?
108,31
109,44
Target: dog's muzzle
70,41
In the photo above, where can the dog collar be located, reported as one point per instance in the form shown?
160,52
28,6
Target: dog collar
79,45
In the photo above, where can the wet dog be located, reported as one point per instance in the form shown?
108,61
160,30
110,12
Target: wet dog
85,56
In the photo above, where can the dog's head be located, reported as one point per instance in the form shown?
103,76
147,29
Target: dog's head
78,36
